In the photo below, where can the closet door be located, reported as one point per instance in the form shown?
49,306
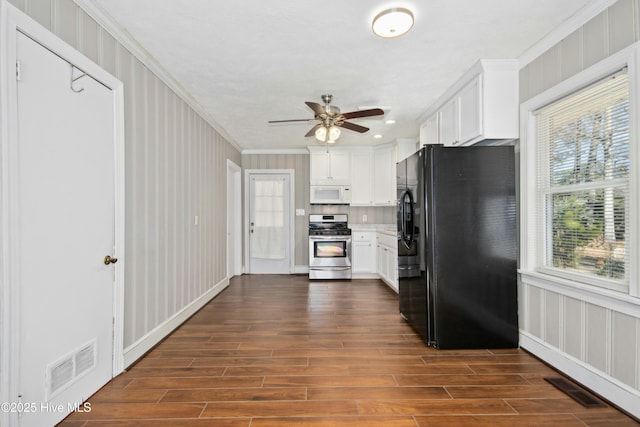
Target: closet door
66,204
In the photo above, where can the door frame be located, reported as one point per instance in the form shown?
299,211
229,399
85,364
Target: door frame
234,219
292,211
12,20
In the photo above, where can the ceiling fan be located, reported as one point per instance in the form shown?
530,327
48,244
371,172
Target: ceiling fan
330,118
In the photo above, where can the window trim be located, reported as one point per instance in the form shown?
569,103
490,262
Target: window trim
630,58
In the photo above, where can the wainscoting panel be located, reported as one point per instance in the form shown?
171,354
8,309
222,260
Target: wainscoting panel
597,340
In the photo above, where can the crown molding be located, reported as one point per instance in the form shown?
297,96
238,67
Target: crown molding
563,30
122,36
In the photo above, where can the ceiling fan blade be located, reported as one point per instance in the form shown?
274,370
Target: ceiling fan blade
313,130
293,120
363,113
354,127
317,108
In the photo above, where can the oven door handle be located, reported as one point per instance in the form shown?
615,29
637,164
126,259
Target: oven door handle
333,238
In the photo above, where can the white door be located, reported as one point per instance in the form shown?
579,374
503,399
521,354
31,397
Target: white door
67,215
269,223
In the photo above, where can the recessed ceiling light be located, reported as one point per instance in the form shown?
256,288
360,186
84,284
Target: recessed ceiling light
390,122
377,136
392,22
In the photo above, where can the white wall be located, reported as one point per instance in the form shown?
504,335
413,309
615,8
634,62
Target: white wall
175,170
593,337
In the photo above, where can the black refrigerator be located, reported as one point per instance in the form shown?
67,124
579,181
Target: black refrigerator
457,246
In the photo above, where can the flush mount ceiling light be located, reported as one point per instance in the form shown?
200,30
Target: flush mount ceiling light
392,22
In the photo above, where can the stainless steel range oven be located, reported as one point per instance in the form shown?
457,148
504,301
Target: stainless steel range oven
329,247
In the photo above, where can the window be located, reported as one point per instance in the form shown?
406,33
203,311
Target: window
583,184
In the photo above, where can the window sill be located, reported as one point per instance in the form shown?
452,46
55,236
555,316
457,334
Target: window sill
606,298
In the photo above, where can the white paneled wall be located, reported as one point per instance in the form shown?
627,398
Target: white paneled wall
615,28
601,337
175,171
595,340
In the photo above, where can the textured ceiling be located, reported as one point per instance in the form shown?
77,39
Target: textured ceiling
250,61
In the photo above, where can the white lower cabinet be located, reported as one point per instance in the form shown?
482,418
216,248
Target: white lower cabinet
387,259
363,252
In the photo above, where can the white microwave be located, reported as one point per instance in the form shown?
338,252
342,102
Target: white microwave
330,195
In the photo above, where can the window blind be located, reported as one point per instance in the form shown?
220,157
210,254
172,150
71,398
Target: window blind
582,187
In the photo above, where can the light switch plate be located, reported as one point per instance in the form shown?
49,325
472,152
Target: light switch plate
299,212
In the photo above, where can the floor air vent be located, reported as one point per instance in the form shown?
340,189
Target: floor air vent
69,368
578,394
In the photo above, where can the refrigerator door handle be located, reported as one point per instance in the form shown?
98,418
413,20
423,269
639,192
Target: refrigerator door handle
407,236
402,219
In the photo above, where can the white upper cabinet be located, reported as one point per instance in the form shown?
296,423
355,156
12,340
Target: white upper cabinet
481,105
430,130
373,176
370,171
332,167
361,177
449,122
384,176
470,112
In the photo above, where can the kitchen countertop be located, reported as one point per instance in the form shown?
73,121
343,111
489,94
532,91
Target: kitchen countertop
379,228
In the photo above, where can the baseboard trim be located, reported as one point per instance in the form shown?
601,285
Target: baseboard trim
365,276
616,392
138,349
301,269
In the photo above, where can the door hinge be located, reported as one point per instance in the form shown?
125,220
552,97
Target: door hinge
18,70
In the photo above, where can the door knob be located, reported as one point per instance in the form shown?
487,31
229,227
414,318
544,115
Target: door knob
108,260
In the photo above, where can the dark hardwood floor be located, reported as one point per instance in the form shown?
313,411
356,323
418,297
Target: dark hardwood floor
280,350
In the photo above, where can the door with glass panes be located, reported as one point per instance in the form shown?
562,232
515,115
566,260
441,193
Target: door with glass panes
269,223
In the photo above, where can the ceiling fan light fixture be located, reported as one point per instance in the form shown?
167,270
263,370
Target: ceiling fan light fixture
328,134
392,22
334,133
321,134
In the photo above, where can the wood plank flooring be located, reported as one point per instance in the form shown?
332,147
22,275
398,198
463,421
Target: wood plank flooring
282,351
